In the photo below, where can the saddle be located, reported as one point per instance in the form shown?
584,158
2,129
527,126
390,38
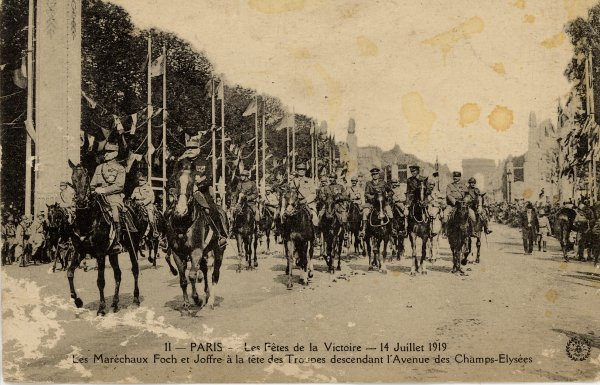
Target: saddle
125,216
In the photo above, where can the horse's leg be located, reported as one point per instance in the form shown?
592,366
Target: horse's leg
255,247
135,270
55,253
240,247
168,259
71,277
478,244
218,260
425,243
340,241
367,244
290,262
204,270
114,262
413,245
309,257
101,260
193,277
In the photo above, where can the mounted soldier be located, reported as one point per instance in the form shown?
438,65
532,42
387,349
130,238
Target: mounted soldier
109,181
476,205
356,194
306,188
455,191
372,188
413,184
144,196
246,189
271,201
399,197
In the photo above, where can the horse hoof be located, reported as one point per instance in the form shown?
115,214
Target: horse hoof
370,268
310,274
115,307
78,303
412,274
54,269
290,285
196,299
151,260
255,264
339,268
477,260
424,272
136,301
101,312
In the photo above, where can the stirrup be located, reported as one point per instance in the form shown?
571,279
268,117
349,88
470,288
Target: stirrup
222,241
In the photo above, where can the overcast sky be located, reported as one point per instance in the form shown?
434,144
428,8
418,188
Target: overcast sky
403,69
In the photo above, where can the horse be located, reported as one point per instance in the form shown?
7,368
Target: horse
561,222
419,226
298,236
151,242
477,228
59,236
354,227
190,238
245,229
266,224
378,229
90,234
458,231
582,225
334,224
398,232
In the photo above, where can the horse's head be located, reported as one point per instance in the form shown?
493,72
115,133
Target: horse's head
81,184
184,183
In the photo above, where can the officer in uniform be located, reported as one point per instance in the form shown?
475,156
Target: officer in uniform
413,184
455,191
9,233
307,193
372,187
109,180
144,195
247,188
474,194
271,201
399,196
356,193
67,199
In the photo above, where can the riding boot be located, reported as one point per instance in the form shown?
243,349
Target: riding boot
117,244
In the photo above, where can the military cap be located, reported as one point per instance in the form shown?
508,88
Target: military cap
456,173
413,167
244,173
323,178
472,180
267,188
301,166
108,147
332,176
435,174
354,179
141,177
193,142
375,170
395,180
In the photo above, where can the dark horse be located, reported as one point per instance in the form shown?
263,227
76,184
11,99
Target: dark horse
298,236
398,233
190,238
91,235
458,231
378,229
561,222
267,224
419,226
477,228
58,240
354,225
334,225
151,241
245,229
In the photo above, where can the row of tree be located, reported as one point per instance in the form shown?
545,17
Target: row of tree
114,80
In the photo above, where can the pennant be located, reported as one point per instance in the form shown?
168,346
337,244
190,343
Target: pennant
209,87
220,90
20,74
2,67
144,65
91,139
252,108
133,157
106,132
133,123
157,112
289,120
92,104
118,124
158,66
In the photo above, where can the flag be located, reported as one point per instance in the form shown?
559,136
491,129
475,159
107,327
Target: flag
133,157
158,66
89,100
209,87
133,123
252,108
221,90
144,65
20,74
118,124
289,120
105,132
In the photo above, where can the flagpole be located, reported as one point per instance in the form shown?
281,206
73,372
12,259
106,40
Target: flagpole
264,152
149,102
294,143
164,131
312,149
591,147
213,127
287,153
256,141
223,158
29,109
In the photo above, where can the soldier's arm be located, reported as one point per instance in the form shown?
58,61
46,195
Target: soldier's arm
149,197
97,177
449,195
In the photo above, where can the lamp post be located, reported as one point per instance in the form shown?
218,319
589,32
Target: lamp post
509,180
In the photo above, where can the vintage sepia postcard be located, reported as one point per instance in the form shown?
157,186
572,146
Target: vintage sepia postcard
315,191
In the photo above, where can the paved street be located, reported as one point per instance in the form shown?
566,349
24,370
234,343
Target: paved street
519,305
